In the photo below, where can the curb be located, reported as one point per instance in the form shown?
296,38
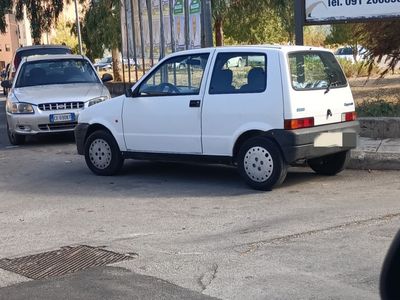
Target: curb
363,160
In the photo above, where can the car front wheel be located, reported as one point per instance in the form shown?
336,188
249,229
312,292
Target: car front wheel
330,164
102,154
14,138
261,164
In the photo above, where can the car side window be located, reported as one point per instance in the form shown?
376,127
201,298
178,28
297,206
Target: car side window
181,75
236,73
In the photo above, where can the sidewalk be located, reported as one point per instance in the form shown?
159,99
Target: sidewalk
376,154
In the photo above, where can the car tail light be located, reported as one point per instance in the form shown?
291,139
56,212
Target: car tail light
349,116
299,123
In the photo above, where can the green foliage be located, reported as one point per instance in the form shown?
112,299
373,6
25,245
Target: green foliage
63,35
259,21
343,34
315,35
101,27
219,8
382,40
358,69
42,14
5,7
378,108
264,27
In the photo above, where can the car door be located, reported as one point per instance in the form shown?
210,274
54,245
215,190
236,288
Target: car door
164,116
240,97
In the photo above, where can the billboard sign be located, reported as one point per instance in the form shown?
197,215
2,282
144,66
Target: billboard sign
329,11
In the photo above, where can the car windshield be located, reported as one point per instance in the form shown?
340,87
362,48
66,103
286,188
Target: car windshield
60,71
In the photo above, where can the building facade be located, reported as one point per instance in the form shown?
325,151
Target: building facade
9,41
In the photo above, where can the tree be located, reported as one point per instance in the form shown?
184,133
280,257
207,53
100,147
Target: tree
315,35
42,14
219,11
254,21
382,41
5,8
63,35
249,28
345,34
102,30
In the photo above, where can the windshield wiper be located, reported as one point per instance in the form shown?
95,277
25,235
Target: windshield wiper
331,76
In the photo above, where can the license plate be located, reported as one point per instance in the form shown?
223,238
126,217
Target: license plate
62,118
336,139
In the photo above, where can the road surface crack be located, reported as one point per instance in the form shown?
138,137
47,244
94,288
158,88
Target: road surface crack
250,247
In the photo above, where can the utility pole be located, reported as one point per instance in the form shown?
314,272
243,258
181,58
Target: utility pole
78,28
206,26
299,16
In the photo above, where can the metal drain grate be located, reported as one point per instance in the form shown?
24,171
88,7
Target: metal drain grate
64,261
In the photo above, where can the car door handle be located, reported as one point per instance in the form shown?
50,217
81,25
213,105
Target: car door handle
194,103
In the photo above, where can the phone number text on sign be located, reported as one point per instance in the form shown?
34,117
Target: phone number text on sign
332,10
359,2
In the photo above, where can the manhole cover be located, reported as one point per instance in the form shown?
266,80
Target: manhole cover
61,262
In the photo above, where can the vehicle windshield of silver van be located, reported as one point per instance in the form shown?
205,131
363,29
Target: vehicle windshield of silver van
315,70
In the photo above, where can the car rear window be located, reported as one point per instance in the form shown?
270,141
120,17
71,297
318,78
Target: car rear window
58,71
39,51
313,70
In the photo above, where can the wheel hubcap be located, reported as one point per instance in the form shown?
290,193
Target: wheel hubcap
258,164
100,153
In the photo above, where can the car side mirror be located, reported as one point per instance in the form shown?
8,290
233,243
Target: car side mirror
129,93
390,274
106,77
7,84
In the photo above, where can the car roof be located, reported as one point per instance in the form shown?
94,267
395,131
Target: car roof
42,47
53,57
241,48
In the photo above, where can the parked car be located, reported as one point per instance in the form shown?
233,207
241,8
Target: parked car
296,105
48,94
105,64
347,53
22,52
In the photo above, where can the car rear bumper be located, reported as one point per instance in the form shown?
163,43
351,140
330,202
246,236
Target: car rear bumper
80,136
316,141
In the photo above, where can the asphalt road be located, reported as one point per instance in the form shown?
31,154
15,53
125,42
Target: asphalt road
198,230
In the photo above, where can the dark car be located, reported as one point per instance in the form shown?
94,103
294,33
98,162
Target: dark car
33,50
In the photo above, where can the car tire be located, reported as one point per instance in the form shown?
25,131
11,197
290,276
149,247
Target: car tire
261,164
102,154
330,164
14,138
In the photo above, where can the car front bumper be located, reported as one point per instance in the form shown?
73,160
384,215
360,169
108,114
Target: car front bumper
80,137
39,122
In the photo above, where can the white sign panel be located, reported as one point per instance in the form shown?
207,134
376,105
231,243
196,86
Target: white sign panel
335,10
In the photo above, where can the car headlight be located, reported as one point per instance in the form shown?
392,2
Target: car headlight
97,100
19,108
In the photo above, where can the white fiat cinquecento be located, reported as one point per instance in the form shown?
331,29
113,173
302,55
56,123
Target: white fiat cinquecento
279,106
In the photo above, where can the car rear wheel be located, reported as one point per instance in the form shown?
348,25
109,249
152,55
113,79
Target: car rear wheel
261,164
102,154
330,164
14,138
